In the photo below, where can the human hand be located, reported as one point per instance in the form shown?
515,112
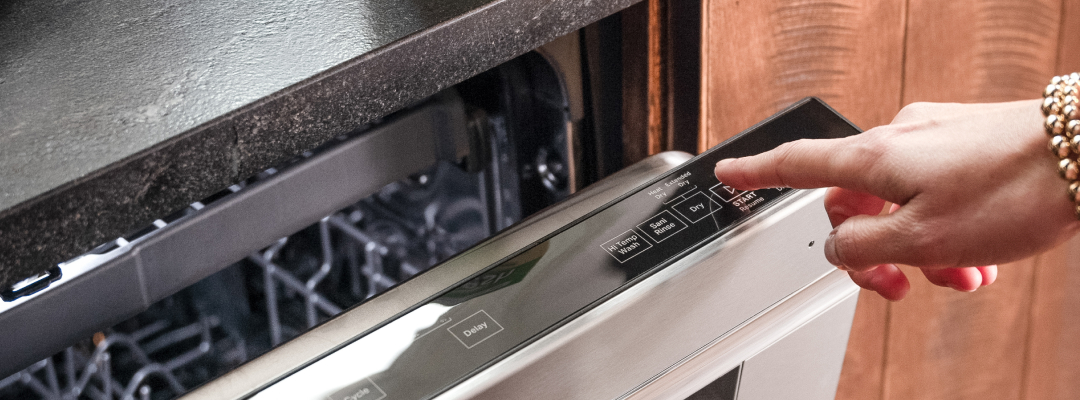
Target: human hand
972,185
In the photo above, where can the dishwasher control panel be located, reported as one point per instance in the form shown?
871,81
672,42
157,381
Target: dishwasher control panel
441,342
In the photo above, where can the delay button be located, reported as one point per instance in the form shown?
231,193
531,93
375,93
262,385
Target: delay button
662,226
365,389
697,207
475,328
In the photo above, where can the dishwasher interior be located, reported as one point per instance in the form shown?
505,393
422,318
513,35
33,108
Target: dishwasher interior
526,147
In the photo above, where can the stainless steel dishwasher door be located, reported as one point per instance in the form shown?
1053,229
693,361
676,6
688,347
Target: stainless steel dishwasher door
686,327
682,288
299,351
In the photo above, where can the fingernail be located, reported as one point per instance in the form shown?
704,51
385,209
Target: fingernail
959,289
720,165
830,250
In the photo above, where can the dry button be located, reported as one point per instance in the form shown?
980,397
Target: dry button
475,329
626,246
725,192
662,226
697,207
363,390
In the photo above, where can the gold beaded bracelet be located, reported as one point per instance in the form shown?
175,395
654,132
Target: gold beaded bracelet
1061,106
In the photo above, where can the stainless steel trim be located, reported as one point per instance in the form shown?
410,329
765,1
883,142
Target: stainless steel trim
805,364
831,291
136,275
630,339
324,338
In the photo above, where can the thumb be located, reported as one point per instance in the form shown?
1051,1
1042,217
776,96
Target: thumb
863,241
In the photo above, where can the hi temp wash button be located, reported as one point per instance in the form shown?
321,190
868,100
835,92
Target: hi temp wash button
662,226
626,246
475,329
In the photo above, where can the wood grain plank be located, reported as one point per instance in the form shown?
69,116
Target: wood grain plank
761,56
758,57
943,344
637,84
1069,47
861,376
1053,368
980,50
651,62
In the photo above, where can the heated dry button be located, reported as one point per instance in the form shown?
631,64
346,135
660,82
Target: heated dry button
662,226
696,207
475,328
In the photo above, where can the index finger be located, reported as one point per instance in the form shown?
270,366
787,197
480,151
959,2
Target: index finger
802,164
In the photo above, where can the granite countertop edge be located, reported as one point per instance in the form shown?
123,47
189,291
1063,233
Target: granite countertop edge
109,202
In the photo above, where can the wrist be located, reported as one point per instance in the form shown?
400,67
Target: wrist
1061,110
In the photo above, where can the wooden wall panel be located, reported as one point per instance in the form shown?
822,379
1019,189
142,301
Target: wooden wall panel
863,370
980,50
661,78
760,56
943,344
640,137
1069,48
1053,365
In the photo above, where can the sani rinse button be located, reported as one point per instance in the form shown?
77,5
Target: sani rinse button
662,226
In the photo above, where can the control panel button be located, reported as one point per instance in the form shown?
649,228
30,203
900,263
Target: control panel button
725,192
697,207
363,390
626,246
662,226
475,329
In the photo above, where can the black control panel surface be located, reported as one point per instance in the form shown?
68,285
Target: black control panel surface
436,345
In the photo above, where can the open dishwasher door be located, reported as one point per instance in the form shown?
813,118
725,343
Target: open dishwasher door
680,288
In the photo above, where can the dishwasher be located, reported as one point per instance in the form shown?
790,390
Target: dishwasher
471,268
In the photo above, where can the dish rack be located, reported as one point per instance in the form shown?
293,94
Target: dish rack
273,295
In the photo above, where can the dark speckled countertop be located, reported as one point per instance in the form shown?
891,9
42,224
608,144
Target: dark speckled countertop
113,113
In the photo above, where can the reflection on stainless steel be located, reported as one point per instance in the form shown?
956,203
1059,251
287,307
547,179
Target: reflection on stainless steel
566,274
700,317
260,371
